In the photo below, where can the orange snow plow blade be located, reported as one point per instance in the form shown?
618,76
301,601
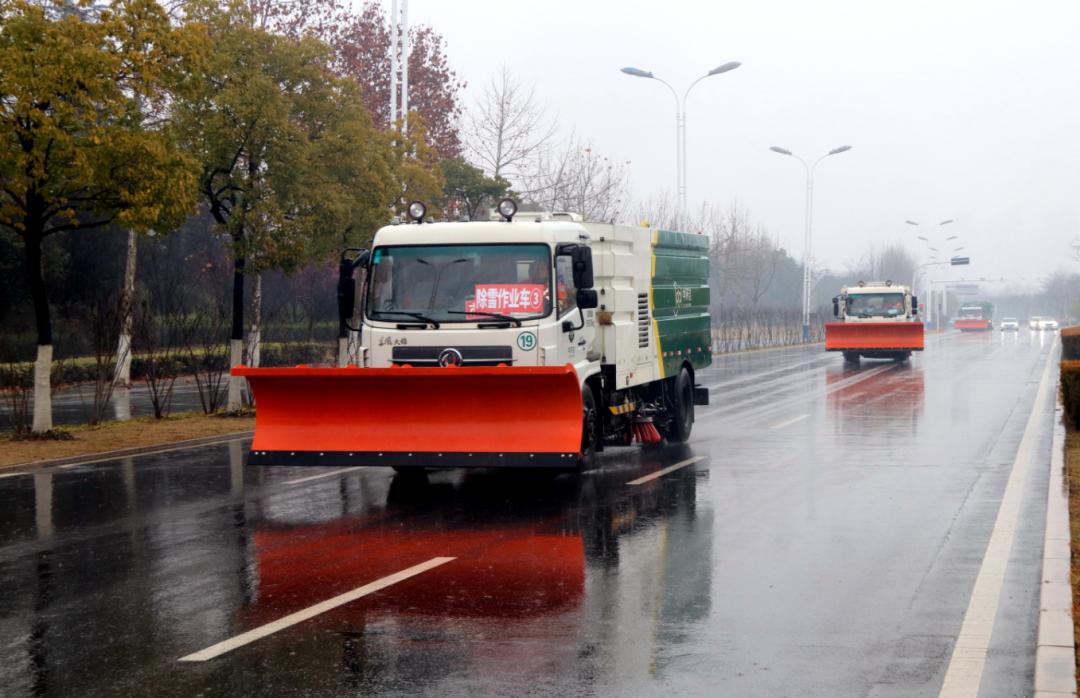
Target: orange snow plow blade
424,417
900,336
972,325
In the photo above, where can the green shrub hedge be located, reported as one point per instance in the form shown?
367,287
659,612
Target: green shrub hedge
82,369
1070,344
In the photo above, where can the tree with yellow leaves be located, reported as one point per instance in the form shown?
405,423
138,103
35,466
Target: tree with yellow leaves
292,168
76,151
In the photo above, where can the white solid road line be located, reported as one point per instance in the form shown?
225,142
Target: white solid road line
664,471
312,611
789,422
339,471
965,670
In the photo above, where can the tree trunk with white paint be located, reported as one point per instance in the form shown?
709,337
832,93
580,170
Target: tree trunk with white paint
342,351
254,338
236,338
236,383
255,333
43,389
127,306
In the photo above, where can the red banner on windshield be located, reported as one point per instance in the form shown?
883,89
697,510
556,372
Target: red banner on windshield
506,299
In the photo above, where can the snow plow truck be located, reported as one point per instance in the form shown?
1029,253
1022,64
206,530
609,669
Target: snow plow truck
505,343
974,317
876,320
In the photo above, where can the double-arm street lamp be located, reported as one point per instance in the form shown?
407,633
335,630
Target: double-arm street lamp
934,239
809,226
680,127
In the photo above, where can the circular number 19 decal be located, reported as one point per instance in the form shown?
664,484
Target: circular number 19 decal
526,341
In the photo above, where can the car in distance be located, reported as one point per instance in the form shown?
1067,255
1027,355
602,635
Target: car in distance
1009,324
1048,323
1033,322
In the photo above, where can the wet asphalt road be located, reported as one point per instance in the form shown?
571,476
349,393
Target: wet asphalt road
826,543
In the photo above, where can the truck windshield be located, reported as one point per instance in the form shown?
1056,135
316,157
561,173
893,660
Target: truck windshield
460,283
876,304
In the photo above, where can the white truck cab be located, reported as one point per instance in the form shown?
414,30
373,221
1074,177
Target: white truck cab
875,301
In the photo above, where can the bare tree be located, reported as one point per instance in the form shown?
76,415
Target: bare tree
893,262
508,128
16,387
657,212
160,345
208,353
575,178
103,324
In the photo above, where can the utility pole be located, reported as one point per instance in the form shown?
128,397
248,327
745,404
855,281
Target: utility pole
399,62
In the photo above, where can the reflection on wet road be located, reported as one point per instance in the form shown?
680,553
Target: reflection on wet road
819,535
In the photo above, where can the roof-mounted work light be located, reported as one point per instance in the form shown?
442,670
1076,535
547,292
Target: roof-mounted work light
417,209
507,209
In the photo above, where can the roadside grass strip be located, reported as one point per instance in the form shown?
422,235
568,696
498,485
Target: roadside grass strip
664,471
964,673
308,613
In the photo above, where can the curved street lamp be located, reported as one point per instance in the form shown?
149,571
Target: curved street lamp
932,238
809,225
680,126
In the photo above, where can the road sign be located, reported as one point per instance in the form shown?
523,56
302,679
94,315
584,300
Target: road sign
959,261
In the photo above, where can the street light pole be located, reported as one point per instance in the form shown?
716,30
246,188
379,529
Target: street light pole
809,217
680,128
932,315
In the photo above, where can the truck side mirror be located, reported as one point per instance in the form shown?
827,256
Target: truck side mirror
346,287
583,271
914,306
587,298
346,294
836,307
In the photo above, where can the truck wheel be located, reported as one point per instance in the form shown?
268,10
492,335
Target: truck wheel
682,409
851,357
590,429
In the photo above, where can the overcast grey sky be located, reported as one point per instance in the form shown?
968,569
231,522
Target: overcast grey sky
955,109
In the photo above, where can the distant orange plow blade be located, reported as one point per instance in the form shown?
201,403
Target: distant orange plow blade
972,325
888,336
482,416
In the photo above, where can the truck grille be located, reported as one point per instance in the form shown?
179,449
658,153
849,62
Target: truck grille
470,355
643,320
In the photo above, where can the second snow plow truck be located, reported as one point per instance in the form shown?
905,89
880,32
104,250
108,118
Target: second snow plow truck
876,321
974,317
501,343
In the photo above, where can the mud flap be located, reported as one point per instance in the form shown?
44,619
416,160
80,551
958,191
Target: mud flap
423,417
888,336
701,395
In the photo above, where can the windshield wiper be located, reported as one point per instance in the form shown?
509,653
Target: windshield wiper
499,316
418,316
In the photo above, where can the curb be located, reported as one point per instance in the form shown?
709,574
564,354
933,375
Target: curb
136,451
1055,651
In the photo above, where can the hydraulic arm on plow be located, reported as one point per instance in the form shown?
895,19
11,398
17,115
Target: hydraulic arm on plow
528,344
